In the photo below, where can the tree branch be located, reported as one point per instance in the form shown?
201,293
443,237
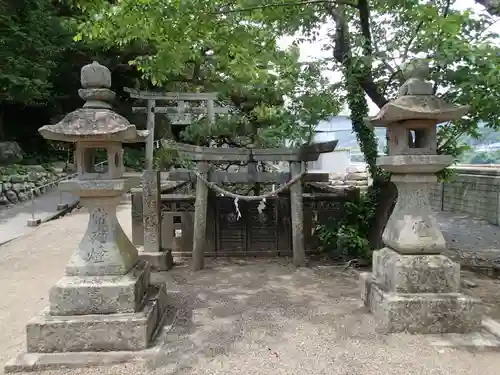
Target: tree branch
342,51
285,4
412,38
439,67
492,6
364,20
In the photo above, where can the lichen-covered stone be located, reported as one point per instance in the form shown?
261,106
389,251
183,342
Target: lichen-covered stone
95,121
401,273
413,288
99,332
105,301
412,227
151,211
80,295
420,313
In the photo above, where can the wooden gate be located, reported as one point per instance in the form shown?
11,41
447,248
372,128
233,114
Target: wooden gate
265,233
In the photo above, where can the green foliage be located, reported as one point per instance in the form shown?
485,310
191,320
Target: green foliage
31,40
358,106
482,157
13,169
206,46
346,237
166,157
134,158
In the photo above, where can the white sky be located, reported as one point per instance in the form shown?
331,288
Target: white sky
311,51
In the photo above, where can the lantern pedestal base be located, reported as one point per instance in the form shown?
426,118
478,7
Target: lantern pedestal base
87,295
95,340
418,294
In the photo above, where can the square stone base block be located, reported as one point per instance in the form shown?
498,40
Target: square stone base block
26,362
84,295
109,332
159,261
420,313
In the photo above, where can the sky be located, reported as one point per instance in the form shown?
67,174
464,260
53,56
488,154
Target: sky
311,51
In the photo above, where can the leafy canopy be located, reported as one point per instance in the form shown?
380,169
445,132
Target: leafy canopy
31,40
233,46
205,46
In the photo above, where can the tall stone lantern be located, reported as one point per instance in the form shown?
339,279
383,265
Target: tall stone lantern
413,287
105,301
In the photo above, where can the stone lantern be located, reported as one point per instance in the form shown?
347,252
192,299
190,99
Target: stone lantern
413,287
105,301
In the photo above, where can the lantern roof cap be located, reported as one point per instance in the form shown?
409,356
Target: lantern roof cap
416,100
95,121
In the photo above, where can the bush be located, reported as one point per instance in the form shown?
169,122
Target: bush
346,238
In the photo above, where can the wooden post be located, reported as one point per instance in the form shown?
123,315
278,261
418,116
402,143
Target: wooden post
211,118
200,219
151,138
210,111
297,212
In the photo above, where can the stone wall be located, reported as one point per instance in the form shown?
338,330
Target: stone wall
17,183
353,177
474,190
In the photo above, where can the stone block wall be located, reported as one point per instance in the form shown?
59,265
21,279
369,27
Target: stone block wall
16,187
353,177
474,190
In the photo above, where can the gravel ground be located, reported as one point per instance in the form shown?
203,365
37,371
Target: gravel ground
255,317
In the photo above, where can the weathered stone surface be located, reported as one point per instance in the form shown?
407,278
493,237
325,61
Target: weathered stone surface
129,331
159,261
420,313
81,295
11,196
297,213
400,273
406,164
151,191
412,227
10,153
413,288
137,220
105,302
95,121
416,100
105,249
356,176
95,75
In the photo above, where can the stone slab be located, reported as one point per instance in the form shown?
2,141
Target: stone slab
28,362
401,273
151,211
84,295
111,332
492,326
475,341
159,261
421,313
137,222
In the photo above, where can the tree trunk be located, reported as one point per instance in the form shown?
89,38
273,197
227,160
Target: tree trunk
388,195
2,131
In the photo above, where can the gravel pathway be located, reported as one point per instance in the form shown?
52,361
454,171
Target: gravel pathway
256,317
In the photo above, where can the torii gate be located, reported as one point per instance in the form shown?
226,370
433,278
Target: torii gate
173,112
151,189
